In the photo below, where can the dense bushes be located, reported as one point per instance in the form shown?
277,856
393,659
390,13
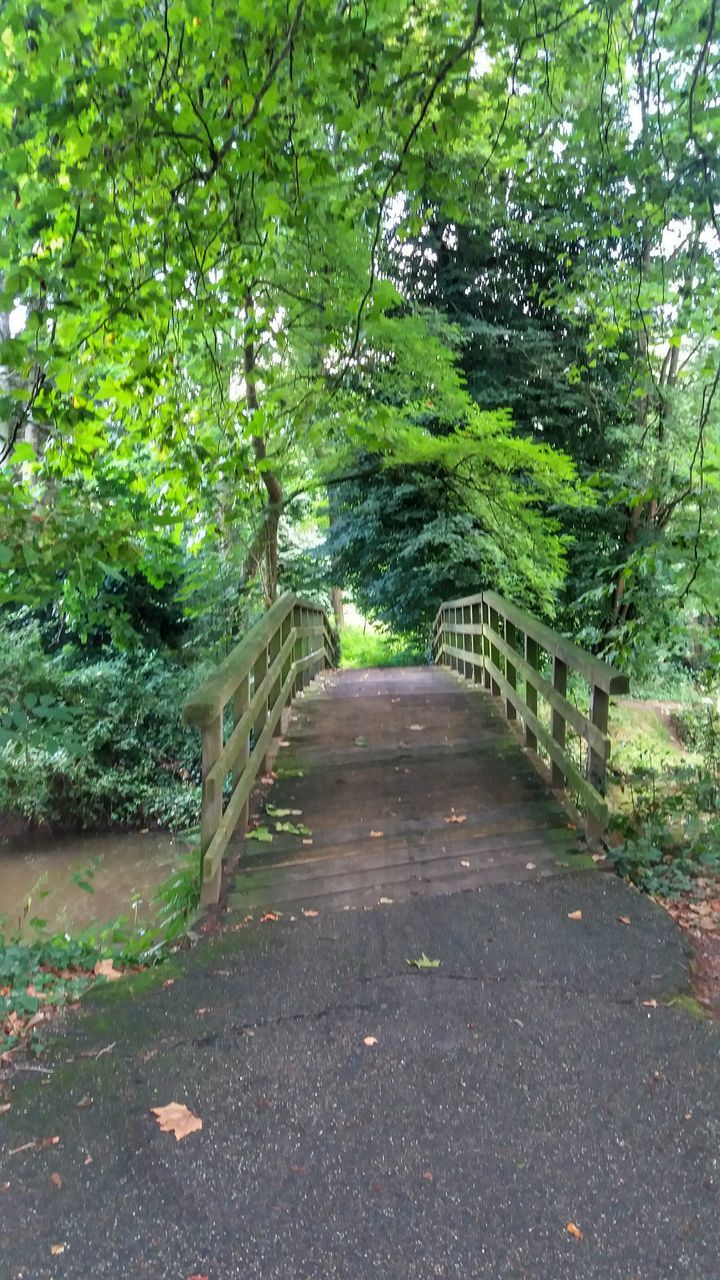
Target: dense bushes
94,743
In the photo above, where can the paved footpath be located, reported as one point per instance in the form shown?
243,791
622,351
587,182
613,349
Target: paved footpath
521,1086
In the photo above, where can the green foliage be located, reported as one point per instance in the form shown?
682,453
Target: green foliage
671,833
94,743
42,975
374,646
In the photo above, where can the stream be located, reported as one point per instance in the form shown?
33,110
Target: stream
39,875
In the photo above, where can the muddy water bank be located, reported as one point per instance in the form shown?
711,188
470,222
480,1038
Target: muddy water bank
42,876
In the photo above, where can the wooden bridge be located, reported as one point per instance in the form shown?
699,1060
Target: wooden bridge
488,766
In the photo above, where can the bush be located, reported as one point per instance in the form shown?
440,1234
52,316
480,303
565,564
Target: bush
94,744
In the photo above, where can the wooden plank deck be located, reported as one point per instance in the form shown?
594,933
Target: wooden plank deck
411,783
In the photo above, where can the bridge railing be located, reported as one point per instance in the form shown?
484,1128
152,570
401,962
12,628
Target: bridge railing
238,709
520,660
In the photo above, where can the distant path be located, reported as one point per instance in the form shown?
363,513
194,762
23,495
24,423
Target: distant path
411,784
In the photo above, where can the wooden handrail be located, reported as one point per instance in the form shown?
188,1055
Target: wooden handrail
279,656
479,636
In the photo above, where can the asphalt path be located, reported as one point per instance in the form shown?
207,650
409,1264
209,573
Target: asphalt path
544,1074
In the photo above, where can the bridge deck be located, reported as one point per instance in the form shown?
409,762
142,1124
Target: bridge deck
411,783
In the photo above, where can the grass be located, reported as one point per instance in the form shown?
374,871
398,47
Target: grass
368,645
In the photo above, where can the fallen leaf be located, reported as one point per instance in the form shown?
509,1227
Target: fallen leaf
56,1180
88,1160
198,1277
427,1176
84,1102
598,857
369,1040
375,835
176,1118
385,902
5,1107
200,1012
572,1230
650,1004
169,982
283,742
298,1168
55,1249
424,962
106,969
624,919
464,862
4,1186
310,913
529,866
574,915
417,727
269,917
456,817
307,841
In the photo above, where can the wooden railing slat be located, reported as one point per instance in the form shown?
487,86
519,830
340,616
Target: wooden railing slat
485,637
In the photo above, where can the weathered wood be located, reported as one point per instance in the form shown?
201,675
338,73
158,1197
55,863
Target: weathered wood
432,822
597,761
558,719
211,811
558,756
510,666
265,656
530,671
585,664
213,694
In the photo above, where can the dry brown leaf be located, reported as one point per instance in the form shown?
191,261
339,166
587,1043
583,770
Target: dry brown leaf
106,969
88,1160
4,1186
56,1180
169,982
176,1118
572,1230
376,835
5,1106
369,1040
456,817
624,919
598,857
269,918
202,1011
650,1004
307,841
529,866
574,915
427,1176
55,1249
310,913
464,862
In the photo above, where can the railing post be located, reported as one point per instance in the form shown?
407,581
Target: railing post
558,720
532,657
466,640
494,651
510,668
486,644
259,672
297,652
211,806
599,711
240,702
477,671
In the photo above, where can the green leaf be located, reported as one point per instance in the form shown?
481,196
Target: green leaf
424,962
260,833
